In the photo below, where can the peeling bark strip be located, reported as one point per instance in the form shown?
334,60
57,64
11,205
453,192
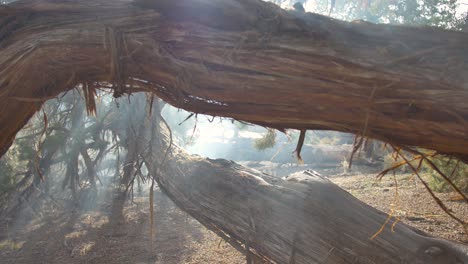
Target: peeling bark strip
300,142
244,59
304,219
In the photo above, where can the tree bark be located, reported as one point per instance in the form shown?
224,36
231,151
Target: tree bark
252,61
244,59
304,219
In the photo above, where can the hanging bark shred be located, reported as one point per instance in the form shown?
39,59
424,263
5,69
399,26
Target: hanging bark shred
300,143
89,93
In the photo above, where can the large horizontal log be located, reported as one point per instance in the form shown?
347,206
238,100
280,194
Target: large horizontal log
244,59
304,219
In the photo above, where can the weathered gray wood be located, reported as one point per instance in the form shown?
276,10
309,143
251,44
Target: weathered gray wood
306,215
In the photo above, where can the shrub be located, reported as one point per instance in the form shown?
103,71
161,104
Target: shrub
458,174
267,141
392,159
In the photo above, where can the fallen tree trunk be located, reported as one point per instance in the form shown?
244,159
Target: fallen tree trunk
304,219
244,59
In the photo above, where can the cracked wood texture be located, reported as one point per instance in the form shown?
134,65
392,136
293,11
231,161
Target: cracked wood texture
304,219
244,59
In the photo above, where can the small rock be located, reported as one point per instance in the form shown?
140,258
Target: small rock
434,251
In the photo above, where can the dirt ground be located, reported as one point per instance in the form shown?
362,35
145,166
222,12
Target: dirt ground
118,232
410,202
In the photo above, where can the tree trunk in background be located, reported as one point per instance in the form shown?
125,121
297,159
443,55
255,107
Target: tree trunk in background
304,219
134,133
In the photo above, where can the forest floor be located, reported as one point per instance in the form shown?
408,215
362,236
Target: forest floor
120,232
406,197
116,233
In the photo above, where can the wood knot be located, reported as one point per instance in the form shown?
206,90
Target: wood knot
434,251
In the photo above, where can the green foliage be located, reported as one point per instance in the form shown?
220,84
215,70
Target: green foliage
53,140
17,159
390,159
7,181
458,174
441,13
7,177
25,150
267,141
